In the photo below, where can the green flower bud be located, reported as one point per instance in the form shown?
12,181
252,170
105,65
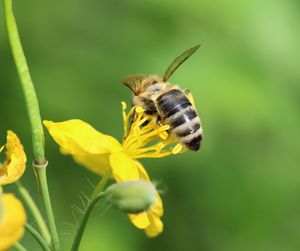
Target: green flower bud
132,196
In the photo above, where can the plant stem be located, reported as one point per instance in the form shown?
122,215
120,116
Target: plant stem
18,246
95,197
101,184
84,221
41,173
38,237
40,162
35,212
26,82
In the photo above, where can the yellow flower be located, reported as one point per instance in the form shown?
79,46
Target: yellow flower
12,220
143,138
14,165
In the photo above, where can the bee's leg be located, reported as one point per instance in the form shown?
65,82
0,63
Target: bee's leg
190,96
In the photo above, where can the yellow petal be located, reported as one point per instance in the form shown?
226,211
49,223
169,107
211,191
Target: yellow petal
12,221
97,163
87,146
123,167
76,136
142,171
150,220
140,220
155,227
157,208
154,214
15,161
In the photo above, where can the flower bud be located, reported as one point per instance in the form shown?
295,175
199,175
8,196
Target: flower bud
132,196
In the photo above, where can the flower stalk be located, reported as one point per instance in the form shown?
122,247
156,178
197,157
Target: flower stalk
40,162
80,230
101,184
35,212
38,237
19,247
41,173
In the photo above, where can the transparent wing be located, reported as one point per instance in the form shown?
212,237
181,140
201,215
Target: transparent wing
134,81
178,61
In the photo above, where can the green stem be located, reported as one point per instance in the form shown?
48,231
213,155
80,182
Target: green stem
18,246
41,173
101,184
38,237
40,162
34,211
84,221
95,197
26,82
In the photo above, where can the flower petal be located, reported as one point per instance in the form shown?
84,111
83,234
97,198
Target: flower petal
140,220
150,220
12,221
157,208
97,163
76,136
155,227
123,167
15,162
87,146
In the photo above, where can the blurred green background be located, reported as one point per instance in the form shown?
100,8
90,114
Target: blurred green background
242,190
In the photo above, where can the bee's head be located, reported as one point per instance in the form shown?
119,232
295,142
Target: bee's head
140,82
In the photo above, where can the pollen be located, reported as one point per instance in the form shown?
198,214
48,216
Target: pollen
145,137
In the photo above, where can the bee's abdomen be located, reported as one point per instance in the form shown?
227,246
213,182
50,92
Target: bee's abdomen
177,111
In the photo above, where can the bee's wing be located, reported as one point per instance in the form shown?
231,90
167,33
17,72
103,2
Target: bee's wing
134,81
178,61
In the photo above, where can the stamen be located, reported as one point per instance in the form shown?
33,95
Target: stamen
139,110
137,135
163,135
153,155
124,106
159,147
125,119
164,128
142,121
176,149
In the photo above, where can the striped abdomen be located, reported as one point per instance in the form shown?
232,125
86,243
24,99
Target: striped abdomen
177,111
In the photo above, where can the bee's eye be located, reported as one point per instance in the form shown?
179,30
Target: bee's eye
154,82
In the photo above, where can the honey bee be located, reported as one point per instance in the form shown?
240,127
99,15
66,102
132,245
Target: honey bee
172,106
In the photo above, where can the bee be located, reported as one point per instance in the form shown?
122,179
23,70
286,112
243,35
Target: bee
172,106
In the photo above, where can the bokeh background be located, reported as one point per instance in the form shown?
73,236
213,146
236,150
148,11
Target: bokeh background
242,190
